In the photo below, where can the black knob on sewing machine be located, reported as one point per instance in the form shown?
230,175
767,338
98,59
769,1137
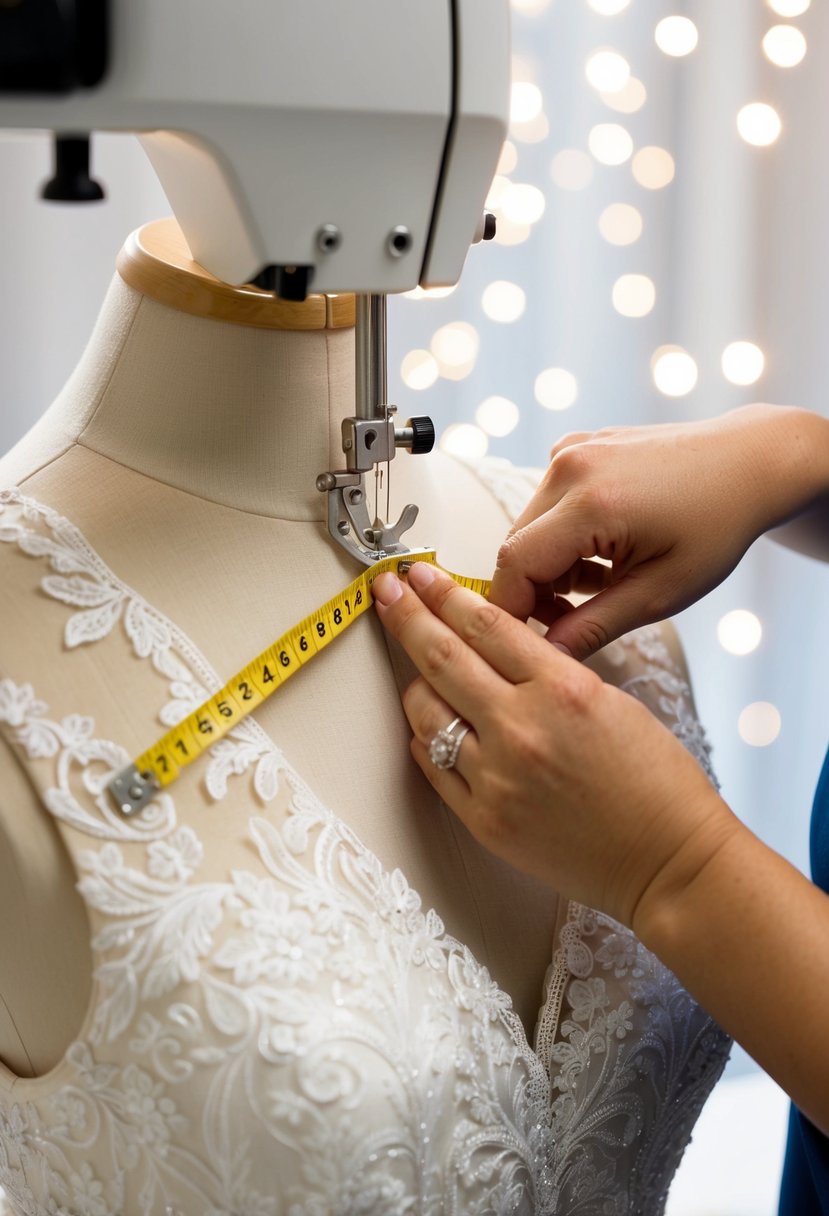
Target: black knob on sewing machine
423,435
71,182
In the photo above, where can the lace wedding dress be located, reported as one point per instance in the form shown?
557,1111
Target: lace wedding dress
300,1037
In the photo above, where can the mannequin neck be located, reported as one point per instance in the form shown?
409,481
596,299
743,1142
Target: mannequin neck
204,387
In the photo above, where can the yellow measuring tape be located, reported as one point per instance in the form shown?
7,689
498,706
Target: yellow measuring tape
160,764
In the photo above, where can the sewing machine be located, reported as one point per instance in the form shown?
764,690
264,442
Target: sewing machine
303,145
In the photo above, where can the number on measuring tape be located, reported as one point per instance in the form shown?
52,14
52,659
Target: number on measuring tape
209,722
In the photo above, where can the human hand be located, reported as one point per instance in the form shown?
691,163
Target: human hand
564,777
673,508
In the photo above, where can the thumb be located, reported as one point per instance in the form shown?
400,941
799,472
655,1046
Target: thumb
536,555
626,605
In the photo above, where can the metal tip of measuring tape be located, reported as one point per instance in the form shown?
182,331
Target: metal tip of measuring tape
131,790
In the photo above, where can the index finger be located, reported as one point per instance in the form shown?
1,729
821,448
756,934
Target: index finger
453,669
513,649
537,555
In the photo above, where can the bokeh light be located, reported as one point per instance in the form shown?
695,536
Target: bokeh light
789,8
621,224
532,132
556,388
572,169
508,233
759,124
522,203
610,143
504,301
634,295
653,167
497,192
497,416
759,724
526,101
629,99
676,36
607,71
419,369
784,46
743,363
455,347
465,440
740,631
674,371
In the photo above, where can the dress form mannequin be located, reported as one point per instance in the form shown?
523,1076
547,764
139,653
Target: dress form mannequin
239,1001
185,447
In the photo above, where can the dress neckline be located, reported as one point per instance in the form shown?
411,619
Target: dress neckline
155,636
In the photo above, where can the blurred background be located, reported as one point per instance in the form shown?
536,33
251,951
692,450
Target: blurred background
661,256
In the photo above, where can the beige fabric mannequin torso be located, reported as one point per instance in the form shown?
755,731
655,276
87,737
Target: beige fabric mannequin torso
185,447
236,1001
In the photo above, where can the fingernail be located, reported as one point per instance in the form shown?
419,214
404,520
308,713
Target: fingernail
421,575
563,649
387,588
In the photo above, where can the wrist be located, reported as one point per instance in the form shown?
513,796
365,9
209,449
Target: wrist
786,461
669,905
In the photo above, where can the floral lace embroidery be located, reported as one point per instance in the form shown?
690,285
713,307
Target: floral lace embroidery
314,993
83,581
673,704
374,1058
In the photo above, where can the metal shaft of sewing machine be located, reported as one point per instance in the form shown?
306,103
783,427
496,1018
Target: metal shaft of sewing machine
372,390
372,381
372,372
372,385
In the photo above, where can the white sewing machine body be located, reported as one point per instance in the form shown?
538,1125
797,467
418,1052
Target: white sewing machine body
355,140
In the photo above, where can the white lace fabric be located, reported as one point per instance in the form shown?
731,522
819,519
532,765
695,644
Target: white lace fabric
300,1037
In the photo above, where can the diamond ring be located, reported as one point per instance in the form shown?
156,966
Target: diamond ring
444,748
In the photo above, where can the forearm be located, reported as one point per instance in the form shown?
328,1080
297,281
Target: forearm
748,936
791,468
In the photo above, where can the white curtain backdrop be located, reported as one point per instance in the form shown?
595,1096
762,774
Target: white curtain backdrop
735,248
732,249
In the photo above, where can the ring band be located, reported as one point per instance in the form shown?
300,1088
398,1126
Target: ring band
444,748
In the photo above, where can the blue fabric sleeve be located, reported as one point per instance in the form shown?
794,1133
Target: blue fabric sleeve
805,1185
